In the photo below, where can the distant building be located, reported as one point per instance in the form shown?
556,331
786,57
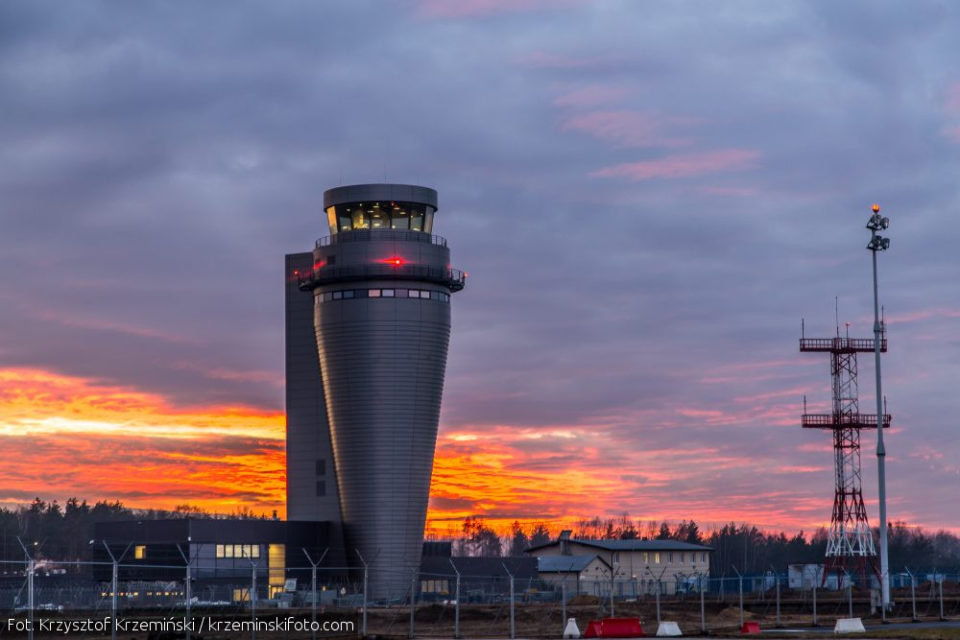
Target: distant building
637,564
481,578
805,577
586,574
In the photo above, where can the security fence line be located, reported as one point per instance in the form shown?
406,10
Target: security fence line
440,603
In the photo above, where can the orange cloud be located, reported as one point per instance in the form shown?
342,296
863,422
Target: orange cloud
66,436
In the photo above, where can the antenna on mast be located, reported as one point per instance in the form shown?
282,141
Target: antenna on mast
836,313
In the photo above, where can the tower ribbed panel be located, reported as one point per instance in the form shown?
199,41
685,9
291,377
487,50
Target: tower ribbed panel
383,362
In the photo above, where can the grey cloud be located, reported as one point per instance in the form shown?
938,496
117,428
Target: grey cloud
159,161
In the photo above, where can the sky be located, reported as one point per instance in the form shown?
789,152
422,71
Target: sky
648,197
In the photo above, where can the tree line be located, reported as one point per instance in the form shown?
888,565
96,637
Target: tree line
63,532
744,546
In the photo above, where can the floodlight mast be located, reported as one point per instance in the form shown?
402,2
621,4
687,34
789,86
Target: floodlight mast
879,243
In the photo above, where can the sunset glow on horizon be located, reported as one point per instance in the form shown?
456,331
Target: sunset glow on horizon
73,437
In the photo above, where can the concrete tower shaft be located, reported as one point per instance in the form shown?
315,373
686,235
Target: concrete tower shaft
382,285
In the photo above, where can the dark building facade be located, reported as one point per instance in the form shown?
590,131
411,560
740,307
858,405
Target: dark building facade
217,549
364,387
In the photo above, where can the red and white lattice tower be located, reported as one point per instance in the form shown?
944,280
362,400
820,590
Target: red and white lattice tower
850,547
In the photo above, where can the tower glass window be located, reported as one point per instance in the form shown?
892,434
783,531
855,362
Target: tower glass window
380,215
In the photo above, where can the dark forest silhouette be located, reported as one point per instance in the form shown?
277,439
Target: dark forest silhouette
63,533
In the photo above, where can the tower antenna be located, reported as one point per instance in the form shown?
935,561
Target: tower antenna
836,313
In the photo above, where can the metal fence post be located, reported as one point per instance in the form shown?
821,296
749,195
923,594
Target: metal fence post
816,580
413,594
940,580
658,600
31,572
659,588
741,595
849,593
913,595
703,609
313,589
513,627
363,622
253,600
563,600
114,587
313,602
776,581
613,584
456,602
188,596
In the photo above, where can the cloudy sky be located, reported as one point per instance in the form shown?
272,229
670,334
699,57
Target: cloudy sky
648,197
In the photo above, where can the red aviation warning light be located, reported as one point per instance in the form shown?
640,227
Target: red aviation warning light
395,261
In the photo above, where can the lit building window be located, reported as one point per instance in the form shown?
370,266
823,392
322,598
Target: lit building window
238,551
140,552
380,215
656,557
352,294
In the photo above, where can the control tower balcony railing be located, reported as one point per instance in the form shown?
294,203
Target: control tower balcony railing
841,345
365,235
453,279
844,421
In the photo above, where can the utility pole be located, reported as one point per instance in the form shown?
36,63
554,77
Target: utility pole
879,243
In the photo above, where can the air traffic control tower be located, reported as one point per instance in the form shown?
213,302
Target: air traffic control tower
368,323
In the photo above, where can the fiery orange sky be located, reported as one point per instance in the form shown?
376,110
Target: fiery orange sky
68,436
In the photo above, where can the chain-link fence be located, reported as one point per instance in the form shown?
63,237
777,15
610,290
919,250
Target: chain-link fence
40,598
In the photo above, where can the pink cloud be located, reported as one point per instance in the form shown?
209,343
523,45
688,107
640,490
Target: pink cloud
592,96
683,165
920,315
628,128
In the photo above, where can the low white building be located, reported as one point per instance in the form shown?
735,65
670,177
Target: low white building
639,566
804,576
575,574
